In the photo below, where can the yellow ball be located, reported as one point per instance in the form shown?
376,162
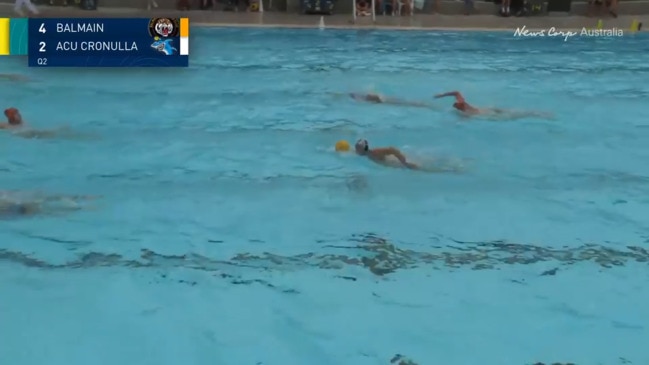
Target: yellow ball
342,146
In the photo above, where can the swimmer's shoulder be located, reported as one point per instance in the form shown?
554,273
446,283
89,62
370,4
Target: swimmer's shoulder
383,152
469,112
473,110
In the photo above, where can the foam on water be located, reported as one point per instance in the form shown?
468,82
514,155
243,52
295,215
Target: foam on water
229,232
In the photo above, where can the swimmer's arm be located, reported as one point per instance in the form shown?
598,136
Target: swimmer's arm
370,98
401,157
458,97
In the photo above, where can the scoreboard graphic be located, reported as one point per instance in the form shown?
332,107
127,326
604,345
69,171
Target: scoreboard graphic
97,42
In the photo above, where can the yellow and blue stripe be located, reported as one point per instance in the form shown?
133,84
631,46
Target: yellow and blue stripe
13,36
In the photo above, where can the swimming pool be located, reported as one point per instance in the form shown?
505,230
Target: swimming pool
229,232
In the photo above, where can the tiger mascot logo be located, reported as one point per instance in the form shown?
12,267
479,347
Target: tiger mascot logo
164,27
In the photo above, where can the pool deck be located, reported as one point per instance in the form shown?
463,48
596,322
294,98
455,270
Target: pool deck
475,22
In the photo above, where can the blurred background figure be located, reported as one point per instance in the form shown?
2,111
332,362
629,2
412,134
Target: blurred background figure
183,5
363,8
208,4
20,4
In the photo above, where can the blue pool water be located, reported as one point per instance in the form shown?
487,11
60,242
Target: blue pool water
227,231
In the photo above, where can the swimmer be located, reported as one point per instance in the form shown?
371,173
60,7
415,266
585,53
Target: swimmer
469,110
14,205
16,124
380,155
14,119
12,209
380,99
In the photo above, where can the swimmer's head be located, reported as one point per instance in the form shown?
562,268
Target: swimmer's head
362,146
459,106
13,116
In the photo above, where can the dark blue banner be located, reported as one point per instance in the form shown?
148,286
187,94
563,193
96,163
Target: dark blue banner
96,42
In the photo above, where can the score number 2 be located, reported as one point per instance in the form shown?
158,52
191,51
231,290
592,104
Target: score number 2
41,47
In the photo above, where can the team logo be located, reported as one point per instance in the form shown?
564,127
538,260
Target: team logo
164,46
164,27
